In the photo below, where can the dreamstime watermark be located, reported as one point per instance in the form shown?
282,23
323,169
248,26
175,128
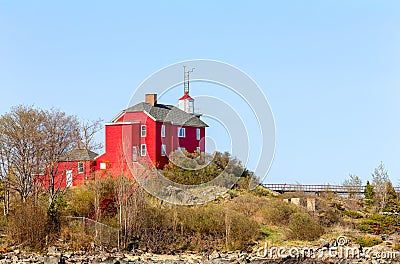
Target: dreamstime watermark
341,250
225,77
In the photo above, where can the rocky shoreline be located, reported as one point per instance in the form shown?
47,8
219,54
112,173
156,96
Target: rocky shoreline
54,256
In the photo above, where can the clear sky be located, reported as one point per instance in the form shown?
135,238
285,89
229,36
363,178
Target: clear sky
330,69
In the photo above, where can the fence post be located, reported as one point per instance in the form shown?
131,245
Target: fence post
118,240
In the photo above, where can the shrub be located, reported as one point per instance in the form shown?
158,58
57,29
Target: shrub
214,227
28,225
329,211
247,204
233,193
74,237
368,241
277,212
303,227
80,201
381,224
353,214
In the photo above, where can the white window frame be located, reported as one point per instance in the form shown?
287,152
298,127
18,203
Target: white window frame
143,130
143,150
81,167
163,150
134,154
182,148
198,149
162,130
198,133
184,132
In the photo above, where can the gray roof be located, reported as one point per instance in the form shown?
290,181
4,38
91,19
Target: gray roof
79,154
168,113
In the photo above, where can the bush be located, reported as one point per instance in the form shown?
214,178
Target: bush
74,237
247,204
28,225
329,210
353,214
204,167
368,241
233,193
303,227
80,201
214,227
380,224
277,212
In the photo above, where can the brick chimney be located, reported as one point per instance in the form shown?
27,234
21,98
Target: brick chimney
151,99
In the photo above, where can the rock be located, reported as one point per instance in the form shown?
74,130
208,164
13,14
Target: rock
53,251
51,260
214,255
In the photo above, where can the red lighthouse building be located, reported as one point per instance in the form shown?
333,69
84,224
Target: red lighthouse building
145,133
149,131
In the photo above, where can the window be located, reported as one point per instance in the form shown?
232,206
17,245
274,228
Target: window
80,167
182,148
163,131
198,149
143,150
134,153
198,133
143,130
163,150
68,180
181,132
103,166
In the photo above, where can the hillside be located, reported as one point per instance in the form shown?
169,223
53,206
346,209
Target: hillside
240,220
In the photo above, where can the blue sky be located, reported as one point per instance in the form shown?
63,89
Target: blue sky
330,69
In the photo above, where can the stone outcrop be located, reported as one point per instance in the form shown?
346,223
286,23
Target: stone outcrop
54,256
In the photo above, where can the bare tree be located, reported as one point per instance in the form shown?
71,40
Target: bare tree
32,142
4,183
380,180
353,184
87,131
60,136
20,140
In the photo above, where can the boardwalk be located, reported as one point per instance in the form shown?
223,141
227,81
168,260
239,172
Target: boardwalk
317,188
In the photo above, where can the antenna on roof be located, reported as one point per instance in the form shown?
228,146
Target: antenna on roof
186,77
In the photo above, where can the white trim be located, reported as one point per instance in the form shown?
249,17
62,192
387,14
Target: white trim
163,130
69,178
83,167
134,153
95,158
122,123
144,111
163,150
184,132
141,150
143,135
118,116
124,112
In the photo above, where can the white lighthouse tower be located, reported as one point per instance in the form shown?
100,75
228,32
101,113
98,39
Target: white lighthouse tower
186,103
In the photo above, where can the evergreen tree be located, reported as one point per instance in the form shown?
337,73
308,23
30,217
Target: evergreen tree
392,200
369,195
